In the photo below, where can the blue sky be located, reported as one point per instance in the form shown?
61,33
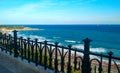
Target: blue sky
59,11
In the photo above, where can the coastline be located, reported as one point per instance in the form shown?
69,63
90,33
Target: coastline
7,29
27,28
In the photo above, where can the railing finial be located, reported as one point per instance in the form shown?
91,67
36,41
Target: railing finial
87,40
110,53
85,62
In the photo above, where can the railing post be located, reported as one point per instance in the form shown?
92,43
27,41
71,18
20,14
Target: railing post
0,35
32,50
45,56
85,62
28,39
10,48
40,50
62,60
56,57
15,44
100,65
50,59
25,49
75,61
36,52
6,43
69,59
109,64
21,47
0,38
5,39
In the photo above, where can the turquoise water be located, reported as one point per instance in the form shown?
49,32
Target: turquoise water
104,38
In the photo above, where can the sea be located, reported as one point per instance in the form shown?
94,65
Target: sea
105,38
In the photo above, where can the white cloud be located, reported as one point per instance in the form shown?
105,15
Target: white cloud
27,9
30,11
35,13
26,13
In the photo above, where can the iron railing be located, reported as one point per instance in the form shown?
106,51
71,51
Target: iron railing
59,58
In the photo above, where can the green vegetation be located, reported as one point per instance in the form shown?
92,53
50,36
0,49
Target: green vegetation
11,27
75,71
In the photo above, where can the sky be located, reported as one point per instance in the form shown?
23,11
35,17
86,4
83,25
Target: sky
59,11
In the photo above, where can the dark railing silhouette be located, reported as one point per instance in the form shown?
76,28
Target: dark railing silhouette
59,58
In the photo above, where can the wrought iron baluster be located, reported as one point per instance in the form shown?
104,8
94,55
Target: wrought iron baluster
40,50
32,50
21,48
56,57
10,44
100,65
25,45
75,61
69,60
6,43
0,39
109,64
62,60
28,50
36,52
50,57
45,56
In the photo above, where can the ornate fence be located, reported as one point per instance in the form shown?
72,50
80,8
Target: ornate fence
59,58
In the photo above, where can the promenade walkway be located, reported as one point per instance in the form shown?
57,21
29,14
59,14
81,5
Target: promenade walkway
4,69
10,64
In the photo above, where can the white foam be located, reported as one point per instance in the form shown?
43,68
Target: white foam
98,50
23,35
78,46
70,41
40,38
10,33
33,37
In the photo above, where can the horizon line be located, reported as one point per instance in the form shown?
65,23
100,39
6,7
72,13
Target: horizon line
62,24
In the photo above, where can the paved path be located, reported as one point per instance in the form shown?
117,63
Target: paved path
10,64
4,70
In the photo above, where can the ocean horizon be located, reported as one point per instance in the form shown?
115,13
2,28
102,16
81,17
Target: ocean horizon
105,38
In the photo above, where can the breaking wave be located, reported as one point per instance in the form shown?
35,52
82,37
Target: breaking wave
92,49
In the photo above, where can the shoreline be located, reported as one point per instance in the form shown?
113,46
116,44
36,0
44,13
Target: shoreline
6,29
27,28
